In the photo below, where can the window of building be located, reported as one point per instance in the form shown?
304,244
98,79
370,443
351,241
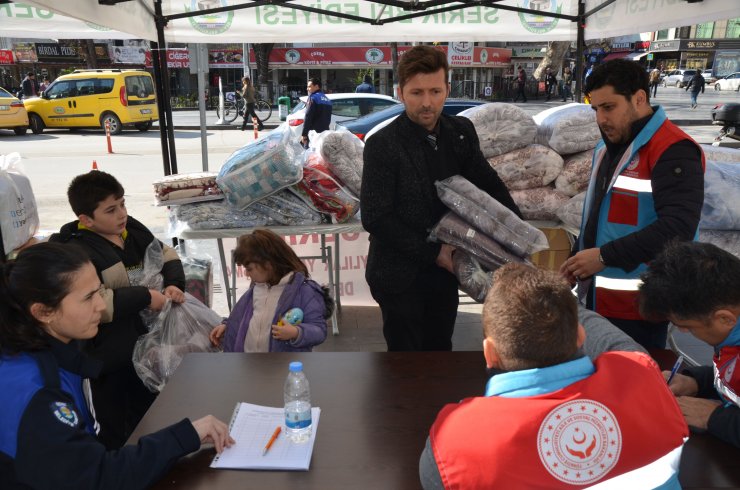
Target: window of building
662,34
733,28
705,30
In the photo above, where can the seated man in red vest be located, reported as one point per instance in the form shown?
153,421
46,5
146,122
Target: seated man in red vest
550,417
697,287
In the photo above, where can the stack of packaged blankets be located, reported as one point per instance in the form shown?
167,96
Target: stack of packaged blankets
270,182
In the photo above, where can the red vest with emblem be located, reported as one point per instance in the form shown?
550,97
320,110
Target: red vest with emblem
619,419
628,207
727,374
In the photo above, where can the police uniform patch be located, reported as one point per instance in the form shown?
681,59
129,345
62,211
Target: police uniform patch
65,413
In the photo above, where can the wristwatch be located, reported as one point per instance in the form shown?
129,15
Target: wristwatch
601,259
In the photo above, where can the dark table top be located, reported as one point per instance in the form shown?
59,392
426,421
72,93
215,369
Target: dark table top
376,411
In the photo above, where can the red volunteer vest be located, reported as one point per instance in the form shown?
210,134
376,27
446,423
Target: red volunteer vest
621,418
727,374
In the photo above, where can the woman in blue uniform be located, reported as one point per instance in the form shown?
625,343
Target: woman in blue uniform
50,299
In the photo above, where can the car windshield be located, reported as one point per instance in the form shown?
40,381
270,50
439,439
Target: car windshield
4,93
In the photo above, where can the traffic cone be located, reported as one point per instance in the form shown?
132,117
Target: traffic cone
95,165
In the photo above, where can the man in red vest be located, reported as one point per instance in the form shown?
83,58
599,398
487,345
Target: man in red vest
697,287
646,189
551,418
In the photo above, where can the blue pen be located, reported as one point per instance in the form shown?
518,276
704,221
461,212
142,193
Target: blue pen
675,369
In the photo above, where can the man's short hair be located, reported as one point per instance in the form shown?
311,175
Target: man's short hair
88,190
626,77
30,74
532,317
421,59
315,81
690,280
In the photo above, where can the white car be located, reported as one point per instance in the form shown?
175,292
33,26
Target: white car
730,82
343,107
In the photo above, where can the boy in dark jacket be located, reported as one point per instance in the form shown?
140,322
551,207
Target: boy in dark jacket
116,244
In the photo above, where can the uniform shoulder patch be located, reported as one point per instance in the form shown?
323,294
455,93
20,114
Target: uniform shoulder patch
65,413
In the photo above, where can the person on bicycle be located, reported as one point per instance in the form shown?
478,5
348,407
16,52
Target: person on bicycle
248,93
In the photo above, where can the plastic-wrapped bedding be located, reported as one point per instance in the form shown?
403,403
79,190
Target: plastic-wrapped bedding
528,167
287,209
571,213
472,278
261,168
721,210
541,203
320,189
453,230
721,154
576,173
501,128
568,128
343,150
725,239
213,215
490,216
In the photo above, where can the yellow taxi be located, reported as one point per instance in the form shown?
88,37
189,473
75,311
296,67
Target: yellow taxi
94,98
13,114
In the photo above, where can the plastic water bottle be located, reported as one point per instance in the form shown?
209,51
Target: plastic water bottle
297,404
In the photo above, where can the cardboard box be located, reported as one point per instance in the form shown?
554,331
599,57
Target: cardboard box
559,251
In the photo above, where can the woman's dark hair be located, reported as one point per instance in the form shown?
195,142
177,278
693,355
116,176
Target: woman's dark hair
626,77
40,274
263,247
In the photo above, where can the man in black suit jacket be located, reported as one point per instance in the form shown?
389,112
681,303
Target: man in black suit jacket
409,277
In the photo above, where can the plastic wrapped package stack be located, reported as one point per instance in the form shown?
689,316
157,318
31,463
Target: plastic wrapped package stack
501,128
540,203
474,280
576,173
286,209
186,188
721,210
528,167
213,215
569,128
571,213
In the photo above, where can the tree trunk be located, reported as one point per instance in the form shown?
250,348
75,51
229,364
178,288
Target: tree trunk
90,56
554,57
262,54
394,61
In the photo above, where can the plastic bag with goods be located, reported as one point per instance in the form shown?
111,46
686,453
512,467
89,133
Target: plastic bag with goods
568,128
490,216
186,188
319,189
213,215
472,278
19,217
343,150
287,209
541,203
721,154
453,230
528,167
728,240
261,168
576,173
721,210
501,128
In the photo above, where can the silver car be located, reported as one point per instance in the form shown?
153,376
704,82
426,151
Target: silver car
675,78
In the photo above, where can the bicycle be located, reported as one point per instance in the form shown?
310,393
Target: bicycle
235,105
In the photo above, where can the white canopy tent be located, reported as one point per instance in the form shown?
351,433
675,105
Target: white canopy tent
258,21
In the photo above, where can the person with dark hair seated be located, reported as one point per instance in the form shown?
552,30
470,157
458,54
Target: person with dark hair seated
51,299
646,189
697,287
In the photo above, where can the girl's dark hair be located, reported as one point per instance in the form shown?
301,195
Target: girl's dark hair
264,246
43,274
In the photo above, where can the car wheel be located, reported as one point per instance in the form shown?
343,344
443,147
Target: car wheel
146,126
663,84
678,84
20,131
36,123
115,123
717,87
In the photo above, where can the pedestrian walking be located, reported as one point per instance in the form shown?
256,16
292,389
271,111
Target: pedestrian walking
696,84
567,81
550,82
521,82
654,81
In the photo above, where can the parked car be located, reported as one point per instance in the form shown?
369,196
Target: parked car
675,77
13,114
92,98
730,82
687,76
344,107
708,77
362,126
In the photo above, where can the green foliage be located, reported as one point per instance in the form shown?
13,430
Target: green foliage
360,75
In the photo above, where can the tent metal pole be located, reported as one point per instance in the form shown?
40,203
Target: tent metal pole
160,107
160,22
580,42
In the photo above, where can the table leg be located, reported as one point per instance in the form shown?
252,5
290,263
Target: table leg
337,268
224,271
328,258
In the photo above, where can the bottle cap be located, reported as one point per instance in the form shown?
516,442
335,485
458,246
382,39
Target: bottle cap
296,366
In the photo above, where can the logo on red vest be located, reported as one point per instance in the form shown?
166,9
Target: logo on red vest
634,163
579,442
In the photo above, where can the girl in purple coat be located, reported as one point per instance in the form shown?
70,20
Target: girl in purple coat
280,282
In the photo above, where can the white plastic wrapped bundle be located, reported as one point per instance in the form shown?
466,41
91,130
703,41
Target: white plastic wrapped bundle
568,128
528,167
490,216
721,154
501,128
285,208
576,173
19,217
721,210
571,213
725,239
541,203
342,151
453,230
186,188
261,168
213,215
472,278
